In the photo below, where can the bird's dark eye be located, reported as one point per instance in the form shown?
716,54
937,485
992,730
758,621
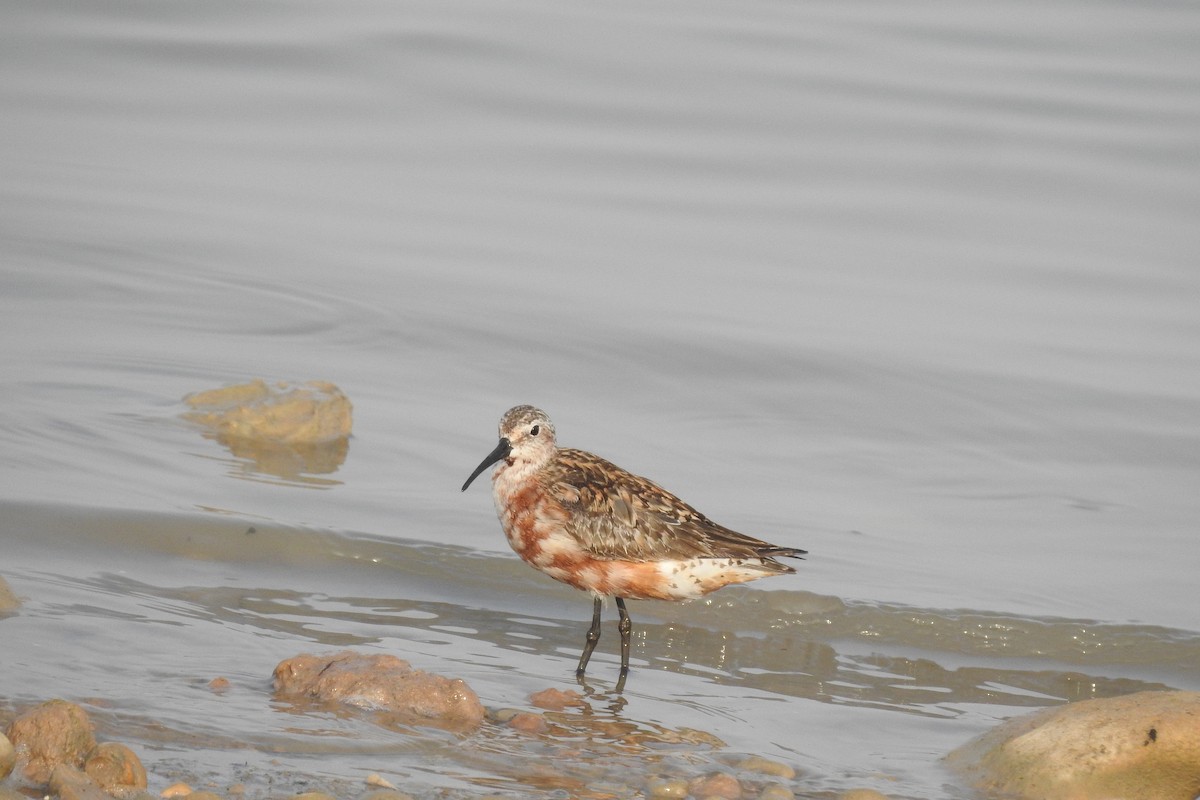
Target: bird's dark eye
535,430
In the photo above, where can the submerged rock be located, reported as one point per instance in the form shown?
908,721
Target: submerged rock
309,413
667,789
8,601
381,683
386,794
766,766
1144,745
716,785
70,783
556,699
115,767
53,733
527,722
8,756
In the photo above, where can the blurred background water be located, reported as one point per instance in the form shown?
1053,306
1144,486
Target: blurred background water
912,286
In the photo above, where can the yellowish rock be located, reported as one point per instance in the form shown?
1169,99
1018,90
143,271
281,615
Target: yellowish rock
309,413
716,785
766,766
180,789
8,756
386,794
862,794
776,791
8,601
1144,745
667,788
375,779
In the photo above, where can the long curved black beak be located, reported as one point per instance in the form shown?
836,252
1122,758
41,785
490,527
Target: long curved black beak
502,451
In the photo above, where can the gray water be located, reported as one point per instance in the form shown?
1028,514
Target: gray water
912,286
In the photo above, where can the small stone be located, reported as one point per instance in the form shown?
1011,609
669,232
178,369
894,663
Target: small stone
55,732
862,794
219,685
115,766
717,785
180,789
504,715
386,794
556,699
667,788
528,722
766,766
205,795
375,779
8,601
8,756
70,783
776,791
313,796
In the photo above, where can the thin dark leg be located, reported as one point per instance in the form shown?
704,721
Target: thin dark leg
625,626
593,636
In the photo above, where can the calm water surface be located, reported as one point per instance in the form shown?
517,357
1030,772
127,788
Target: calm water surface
911,286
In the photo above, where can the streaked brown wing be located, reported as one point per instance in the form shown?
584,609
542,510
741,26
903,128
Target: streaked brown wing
618,515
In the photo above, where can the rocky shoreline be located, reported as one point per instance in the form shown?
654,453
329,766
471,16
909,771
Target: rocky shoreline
1144,746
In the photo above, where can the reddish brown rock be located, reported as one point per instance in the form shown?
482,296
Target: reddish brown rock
1144,746
55,732
114,766
528,723
556,699
381,683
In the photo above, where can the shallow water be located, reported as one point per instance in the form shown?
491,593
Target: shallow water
912,288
